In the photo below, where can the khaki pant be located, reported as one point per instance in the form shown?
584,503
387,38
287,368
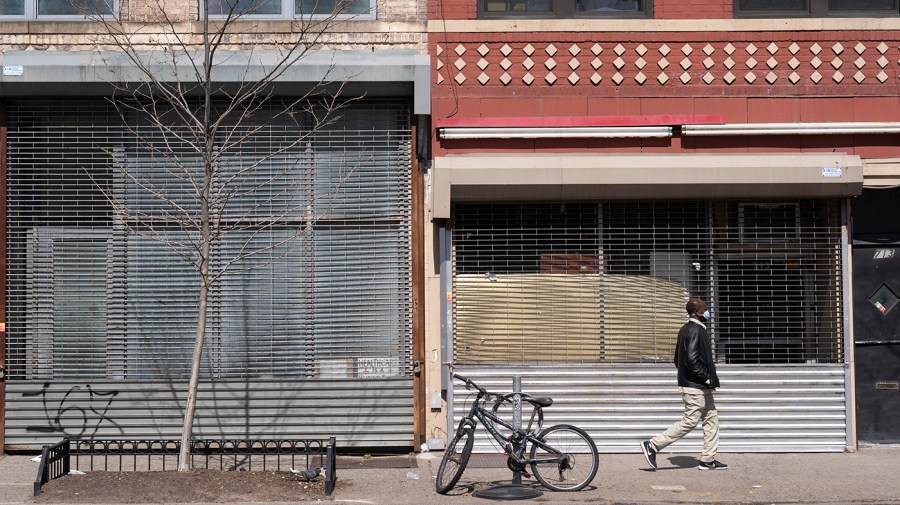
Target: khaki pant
697,407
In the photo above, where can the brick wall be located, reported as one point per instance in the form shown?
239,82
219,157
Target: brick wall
752,77
400,24
732,109
692,9
662,9
452,9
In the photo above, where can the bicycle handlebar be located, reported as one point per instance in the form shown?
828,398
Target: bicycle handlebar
498,397
471,385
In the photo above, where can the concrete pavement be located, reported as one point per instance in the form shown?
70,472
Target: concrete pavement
869,475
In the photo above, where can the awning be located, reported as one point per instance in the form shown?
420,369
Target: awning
582,176
398,72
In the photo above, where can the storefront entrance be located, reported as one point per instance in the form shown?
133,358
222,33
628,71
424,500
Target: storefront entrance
876,315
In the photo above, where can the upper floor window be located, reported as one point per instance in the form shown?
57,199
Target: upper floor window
564,8
816,8
279,9
58,9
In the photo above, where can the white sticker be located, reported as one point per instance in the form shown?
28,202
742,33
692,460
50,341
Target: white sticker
832,172
13,70
377,368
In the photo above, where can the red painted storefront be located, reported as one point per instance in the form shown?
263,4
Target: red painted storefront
689,63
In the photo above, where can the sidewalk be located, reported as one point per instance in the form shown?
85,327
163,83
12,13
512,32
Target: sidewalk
870,475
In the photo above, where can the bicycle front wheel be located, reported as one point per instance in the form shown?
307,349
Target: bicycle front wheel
564,458
456,457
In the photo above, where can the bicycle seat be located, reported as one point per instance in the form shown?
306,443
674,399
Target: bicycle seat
540,401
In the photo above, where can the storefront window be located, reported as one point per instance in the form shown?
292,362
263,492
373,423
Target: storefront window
586,283
309,277
327,7
12,7
58,9
75,8
244,7
565,8
815,8
364,9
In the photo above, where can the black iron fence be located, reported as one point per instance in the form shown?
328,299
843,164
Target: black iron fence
151,455
55,462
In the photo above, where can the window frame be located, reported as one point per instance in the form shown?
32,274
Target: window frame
668,250
565,9
816,9
30,13
288,12
355,234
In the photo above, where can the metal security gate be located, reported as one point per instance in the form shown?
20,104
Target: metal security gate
310,334
362,413
586,299
777,408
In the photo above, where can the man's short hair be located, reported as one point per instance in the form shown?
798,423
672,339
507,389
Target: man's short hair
692,305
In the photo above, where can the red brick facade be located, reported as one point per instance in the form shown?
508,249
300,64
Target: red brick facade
662,9
750,76
804,87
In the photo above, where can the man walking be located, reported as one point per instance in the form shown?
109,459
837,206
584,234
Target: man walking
697,380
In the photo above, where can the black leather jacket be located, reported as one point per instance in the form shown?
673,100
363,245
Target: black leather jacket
693,357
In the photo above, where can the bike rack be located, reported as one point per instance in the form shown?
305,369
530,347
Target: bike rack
515,490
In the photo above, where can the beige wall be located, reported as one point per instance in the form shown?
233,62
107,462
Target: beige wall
435,420
400,24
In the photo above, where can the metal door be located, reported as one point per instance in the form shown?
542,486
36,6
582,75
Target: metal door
876,326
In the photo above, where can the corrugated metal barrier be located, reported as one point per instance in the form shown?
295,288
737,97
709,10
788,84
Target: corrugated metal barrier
769,408
370,413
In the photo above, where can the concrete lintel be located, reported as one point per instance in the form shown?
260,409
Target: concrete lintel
613,25
543,177
36,73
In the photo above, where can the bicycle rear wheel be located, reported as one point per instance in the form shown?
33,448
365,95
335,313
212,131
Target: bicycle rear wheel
566,457
456,457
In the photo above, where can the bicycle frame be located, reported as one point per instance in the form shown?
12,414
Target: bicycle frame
557,469
513,448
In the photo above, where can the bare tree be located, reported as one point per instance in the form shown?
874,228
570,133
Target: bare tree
193,131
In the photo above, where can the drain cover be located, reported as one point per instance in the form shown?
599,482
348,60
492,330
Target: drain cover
508,492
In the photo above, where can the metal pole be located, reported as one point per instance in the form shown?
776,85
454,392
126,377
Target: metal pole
847,327
515,490
446,307
517,421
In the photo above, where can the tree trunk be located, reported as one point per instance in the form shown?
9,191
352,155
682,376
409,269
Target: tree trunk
184,463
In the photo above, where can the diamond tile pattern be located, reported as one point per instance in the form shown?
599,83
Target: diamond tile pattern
588,63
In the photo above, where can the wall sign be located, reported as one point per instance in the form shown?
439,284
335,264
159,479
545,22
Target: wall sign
13,70
377,368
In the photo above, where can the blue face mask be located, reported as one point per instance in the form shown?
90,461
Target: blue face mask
706,315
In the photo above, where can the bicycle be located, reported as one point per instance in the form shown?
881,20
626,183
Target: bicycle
562,457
